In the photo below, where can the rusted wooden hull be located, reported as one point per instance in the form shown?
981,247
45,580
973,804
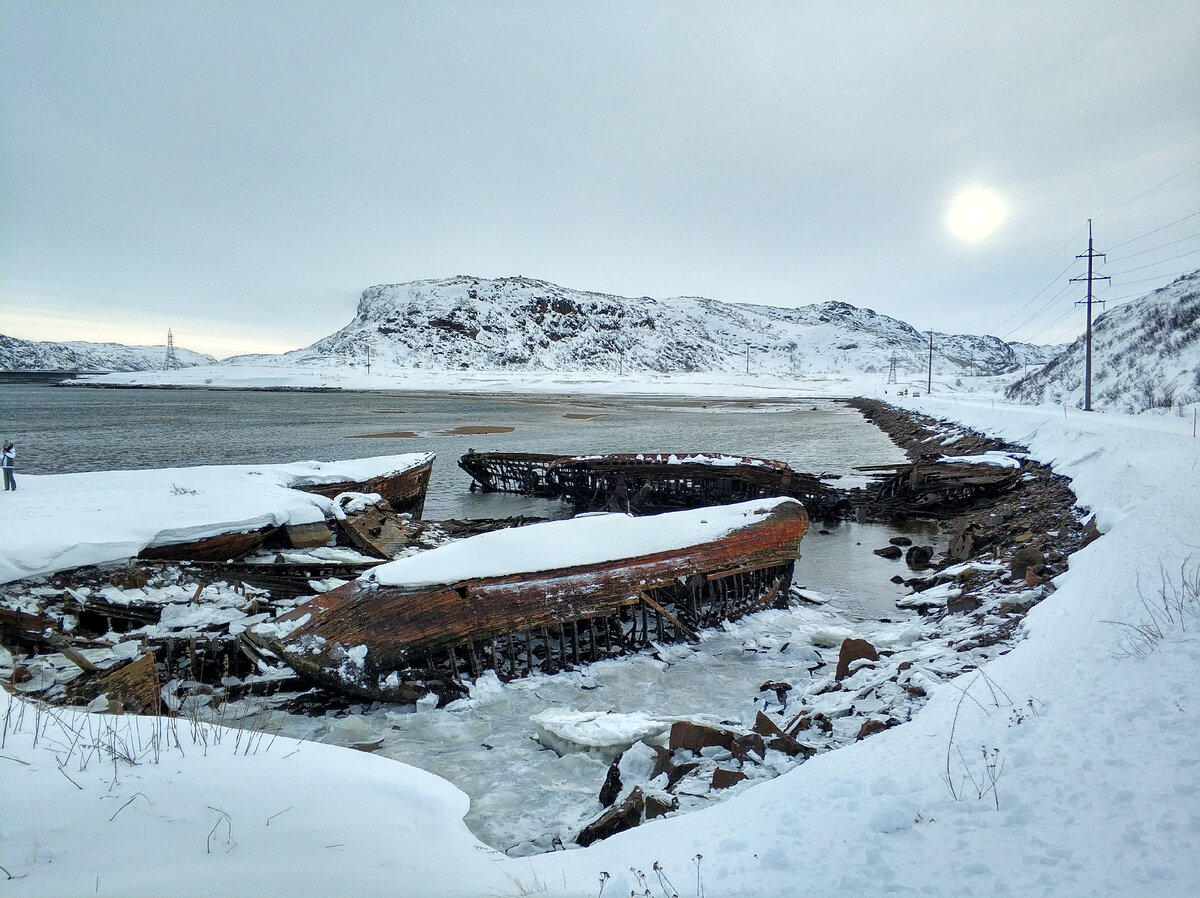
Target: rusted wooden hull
647,483
224,547
390,643
404,490
935,489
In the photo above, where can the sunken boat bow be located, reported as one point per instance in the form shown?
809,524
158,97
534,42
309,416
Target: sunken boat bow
398,642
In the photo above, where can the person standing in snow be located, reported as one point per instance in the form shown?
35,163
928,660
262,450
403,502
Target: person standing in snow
9,462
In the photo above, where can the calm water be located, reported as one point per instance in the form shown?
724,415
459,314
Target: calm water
69,429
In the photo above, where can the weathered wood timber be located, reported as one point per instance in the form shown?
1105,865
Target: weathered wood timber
398,642
934,488
376,530
223,547
647,483
404,490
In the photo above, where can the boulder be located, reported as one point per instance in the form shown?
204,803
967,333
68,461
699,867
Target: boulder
900,541
963,604
745,744
963,543
1024,558
626,815
872,726
918,556
853,650
890,552
723,779
695,736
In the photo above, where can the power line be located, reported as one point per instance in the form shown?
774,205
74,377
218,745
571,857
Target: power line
1191,252
1151,190
1156,230
1041,268
1040,292
1143,252
1051,301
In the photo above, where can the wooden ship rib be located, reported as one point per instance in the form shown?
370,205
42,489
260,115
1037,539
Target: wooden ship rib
934,487
398,642
647,483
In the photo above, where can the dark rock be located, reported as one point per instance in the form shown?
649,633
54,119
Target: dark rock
962,544
896,579
872,726
745,744
963,604
612,784
781,689
626,815
1091,532
853,650
723,779
695,736
918,556
1024,558
966,575
900,541
657,806
892,552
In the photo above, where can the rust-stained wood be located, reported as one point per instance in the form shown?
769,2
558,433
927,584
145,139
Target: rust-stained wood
404,490
224,547
376,530
404,628
647,483
134,685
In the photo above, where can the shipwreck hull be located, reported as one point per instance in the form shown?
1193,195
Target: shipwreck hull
645,483
224,547
395,643
404,490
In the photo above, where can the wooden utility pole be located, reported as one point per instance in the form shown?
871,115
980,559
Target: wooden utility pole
1087,374
929,383
747,356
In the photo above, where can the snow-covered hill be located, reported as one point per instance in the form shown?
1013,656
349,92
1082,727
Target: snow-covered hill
1145,354
521,324
28,355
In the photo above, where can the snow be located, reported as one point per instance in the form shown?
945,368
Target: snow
60,521
591,539
1065,766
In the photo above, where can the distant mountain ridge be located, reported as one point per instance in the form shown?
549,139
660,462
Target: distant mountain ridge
1145,354
30,355
521,323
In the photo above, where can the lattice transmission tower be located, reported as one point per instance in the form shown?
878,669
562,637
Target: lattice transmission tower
172,360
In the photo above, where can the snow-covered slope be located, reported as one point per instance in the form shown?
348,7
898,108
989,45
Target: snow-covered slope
522,324
29,355
1145,354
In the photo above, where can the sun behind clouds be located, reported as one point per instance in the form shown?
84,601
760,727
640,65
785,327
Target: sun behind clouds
975,213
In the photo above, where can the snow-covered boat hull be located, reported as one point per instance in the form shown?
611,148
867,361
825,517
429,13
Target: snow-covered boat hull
399,642
404,490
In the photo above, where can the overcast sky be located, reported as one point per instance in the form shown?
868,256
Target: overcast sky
240,172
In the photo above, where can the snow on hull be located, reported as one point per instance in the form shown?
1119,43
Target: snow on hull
550,595
62,521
